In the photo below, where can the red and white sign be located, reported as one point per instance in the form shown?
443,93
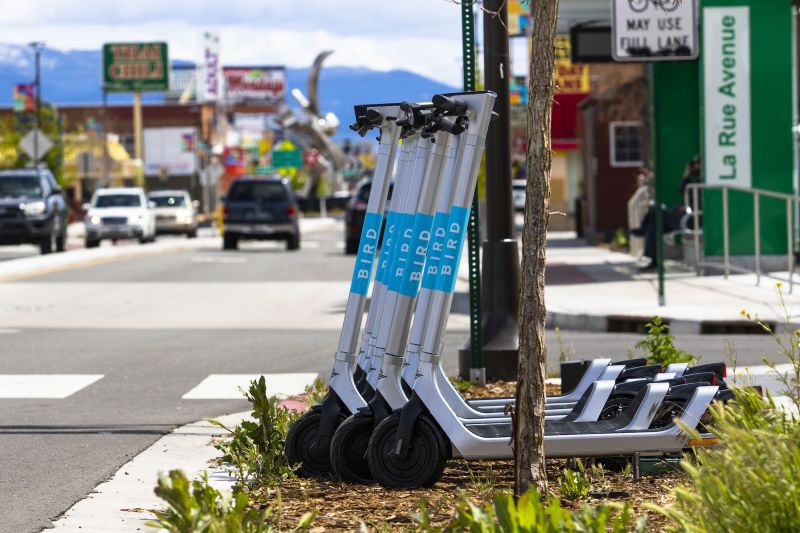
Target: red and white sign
255,84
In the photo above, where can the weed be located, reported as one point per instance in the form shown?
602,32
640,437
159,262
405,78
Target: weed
316,391
461,385
484,482
254,453
530,513
574,484
659,345
620,239
751,481
599,481
198,507
564,354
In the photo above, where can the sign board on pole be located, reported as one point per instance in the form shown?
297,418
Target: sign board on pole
182,84
24,97
726,77
43,142
654,30
211,78
135,67
255,84
170,149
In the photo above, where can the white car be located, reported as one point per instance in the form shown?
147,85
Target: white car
518,194
119,213
175,213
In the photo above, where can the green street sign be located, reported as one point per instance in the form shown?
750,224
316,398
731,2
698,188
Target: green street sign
135,67
265,170
287,159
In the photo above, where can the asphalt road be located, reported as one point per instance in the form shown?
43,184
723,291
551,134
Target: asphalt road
154,327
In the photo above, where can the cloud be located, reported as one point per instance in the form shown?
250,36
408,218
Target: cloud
423,36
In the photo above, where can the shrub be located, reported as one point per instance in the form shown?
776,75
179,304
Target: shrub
659,346
254,453
198,507
316,391
531,514
751,481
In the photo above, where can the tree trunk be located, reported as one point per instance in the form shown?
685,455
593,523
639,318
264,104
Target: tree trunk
529,410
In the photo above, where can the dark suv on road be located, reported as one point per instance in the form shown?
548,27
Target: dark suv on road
354,214
32,209
260,209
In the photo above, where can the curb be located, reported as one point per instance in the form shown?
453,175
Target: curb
636,323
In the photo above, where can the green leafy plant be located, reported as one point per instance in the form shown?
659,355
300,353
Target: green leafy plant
254,451
531,514
659,345
461,385
620,239
197,507
316,391
484,482
751,480
575,484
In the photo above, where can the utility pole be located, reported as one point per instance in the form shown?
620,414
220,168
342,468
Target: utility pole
500,269
37,47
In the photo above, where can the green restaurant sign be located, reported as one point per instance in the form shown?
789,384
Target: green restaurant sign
135,67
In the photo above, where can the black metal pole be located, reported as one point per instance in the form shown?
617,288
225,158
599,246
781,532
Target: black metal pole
500,270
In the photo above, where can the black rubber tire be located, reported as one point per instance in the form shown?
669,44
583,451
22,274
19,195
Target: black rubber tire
48,244
230,242
349,449
192,234
614,406
92,244
301,450
351,246
61,241
423,464
293,242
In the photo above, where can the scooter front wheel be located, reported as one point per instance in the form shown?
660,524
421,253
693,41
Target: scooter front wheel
303,450
422,463
349,449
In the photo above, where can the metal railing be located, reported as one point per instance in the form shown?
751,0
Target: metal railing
638,204
696,231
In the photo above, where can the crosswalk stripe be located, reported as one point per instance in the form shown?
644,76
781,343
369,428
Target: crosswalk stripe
47,386
226,386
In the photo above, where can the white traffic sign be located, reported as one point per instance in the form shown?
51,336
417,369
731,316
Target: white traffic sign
30,140
654,30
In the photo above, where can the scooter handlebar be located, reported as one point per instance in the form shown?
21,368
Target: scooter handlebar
449,105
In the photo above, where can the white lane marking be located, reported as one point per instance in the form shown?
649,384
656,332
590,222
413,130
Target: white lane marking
217,259
226,386
55,386
8,331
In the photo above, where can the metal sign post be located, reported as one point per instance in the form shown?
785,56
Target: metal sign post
477,368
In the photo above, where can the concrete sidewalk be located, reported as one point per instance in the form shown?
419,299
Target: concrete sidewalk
590,288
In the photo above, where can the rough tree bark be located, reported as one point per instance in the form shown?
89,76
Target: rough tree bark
529,410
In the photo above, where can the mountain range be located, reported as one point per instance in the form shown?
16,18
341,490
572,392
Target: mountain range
74,77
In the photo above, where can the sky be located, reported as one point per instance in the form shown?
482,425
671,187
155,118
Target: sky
423,36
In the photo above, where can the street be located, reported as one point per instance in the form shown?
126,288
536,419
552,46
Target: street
145,331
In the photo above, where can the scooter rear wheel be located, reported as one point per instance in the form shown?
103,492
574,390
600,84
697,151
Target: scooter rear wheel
421,466
349,449
614,407
302,447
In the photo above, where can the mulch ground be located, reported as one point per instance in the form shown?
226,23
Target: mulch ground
345,507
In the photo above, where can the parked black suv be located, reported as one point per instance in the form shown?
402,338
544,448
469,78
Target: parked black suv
261,209
32,209
354,214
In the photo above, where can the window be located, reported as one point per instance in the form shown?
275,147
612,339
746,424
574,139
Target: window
20,186
262,191
625,140
117,200
172,200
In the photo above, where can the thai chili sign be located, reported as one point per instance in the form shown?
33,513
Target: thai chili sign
131,67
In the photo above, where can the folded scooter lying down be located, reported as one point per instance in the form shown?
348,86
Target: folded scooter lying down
600,369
